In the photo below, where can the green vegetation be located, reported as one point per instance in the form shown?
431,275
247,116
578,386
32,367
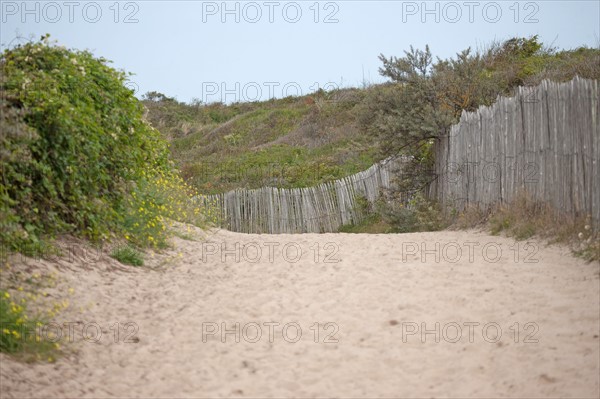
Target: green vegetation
128,255
419,214
77,156
427,97
372,224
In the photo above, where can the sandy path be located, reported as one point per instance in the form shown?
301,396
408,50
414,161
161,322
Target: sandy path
376,297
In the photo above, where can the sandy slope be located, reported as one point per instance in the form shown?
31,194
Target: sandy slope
376,297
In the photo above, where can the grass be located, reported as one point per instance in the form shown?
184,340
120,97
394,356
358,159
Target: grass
290,142
277,165
128,255
525,218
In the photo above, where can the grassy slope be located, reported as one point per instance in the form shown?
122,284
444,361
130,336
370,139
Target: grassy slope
302,141
290,142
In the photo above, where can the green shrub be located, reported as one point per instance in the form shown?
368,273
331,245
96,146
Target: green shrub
77,155
372,224
89,140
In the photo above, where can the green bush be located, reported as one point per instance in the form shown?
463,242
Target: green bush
76,149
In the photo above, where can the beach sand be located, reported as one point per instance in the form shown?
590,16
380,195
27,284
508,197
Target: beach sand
440,314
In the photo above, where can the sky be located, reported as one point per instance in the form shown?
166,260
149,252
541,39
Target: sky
256,50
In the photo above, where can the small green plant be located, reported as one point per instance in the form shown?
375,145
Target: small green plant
232,139
402,218
184,235
590,251
524,231
500,222
128,255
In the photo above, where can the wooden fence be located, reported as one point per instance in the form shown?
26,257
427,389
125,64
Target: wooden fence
318,209
544,141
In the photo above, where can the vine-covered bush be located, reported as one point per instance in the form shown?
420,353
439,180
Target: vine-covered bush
74,147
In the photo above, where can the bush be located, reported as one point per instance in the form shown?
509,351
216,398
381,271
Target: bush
89,140
77,155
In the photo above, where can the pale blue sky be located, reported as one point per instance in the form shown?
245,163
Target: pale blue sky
190,49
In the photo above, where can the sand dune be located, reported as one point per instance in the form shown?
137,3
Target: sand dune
443,314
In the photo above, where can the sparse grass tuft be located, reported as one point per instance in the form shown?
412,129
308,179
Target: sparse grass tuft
128,255
184,235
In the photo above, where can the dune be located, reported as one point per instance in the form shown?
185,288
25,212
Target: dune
440,314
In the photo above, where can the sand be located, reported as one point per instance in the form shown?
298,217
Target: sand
332,315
